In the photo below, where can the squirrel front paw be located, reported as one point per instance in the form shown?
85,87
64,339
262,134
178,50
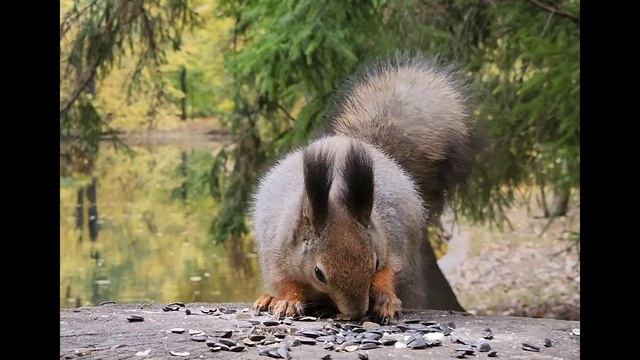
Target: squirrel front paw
262,304
279,307
386,307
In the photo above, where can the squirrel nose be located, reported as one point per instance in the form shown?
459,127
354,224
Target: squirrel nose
357,315
358,312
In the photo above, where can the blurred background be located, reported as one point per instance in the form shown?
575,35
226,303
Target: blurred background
170,110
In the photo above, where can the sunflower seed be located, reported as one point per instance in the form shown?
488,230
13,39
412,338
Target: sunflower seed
226,334
326,338
179,353
222,346
307,341
351,348
312,333
368,346
227,342
283,352
370,325
370,336
465,348
388,341
143,353
417,344
529,347
368,341
428,322
433,338
249,342
446,331
307,318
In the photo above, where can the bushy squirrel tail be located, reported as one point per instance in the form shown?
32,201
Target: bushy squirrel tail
416,111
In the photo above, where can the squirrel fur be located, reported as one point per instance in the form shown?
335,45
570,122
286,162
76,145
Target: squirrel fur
342,220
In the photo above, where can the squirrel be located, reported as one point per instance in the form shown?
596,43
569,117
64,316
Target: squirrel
342,220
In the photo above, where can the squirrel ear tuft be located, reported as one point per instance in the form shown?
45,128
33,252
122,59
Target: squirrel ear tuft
357,193
318,177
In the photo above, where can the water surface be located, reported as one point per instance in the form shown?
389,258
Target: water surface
138,231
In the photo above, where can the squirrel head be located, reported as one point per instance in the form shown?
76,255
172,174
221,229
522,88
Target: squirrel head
338,256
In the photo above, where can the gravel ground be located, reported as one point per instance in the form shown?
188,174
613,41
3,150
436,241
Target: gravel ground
524,271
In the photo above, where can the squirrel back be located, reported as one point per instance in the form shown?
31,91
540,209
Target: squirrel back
416,111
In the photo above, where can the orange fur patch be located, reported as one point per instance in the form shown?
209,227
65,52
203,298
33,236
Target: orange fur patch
386,304
292,291
384,281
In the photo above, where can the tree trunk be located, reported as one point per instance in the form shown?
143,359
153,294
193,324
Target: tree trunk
80,212
183,87
93,210
543,202
561,195
440,295
560,201
183,172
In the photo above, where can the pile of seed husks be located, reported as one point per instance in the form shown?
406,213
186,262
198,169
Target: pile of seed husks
275,338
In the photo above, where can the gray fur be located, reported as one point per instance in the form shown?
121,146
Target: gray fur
412,119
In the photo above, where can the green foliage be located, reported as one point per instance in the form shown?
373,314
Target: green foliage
95,37
193,171
529,105
287,57
268,69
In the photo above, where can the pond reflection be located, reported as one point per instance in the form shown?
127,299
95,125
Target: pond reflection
137,230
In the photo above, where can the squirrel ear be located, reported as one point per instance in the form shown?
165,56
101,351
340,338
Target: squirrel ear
318,177
357,193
